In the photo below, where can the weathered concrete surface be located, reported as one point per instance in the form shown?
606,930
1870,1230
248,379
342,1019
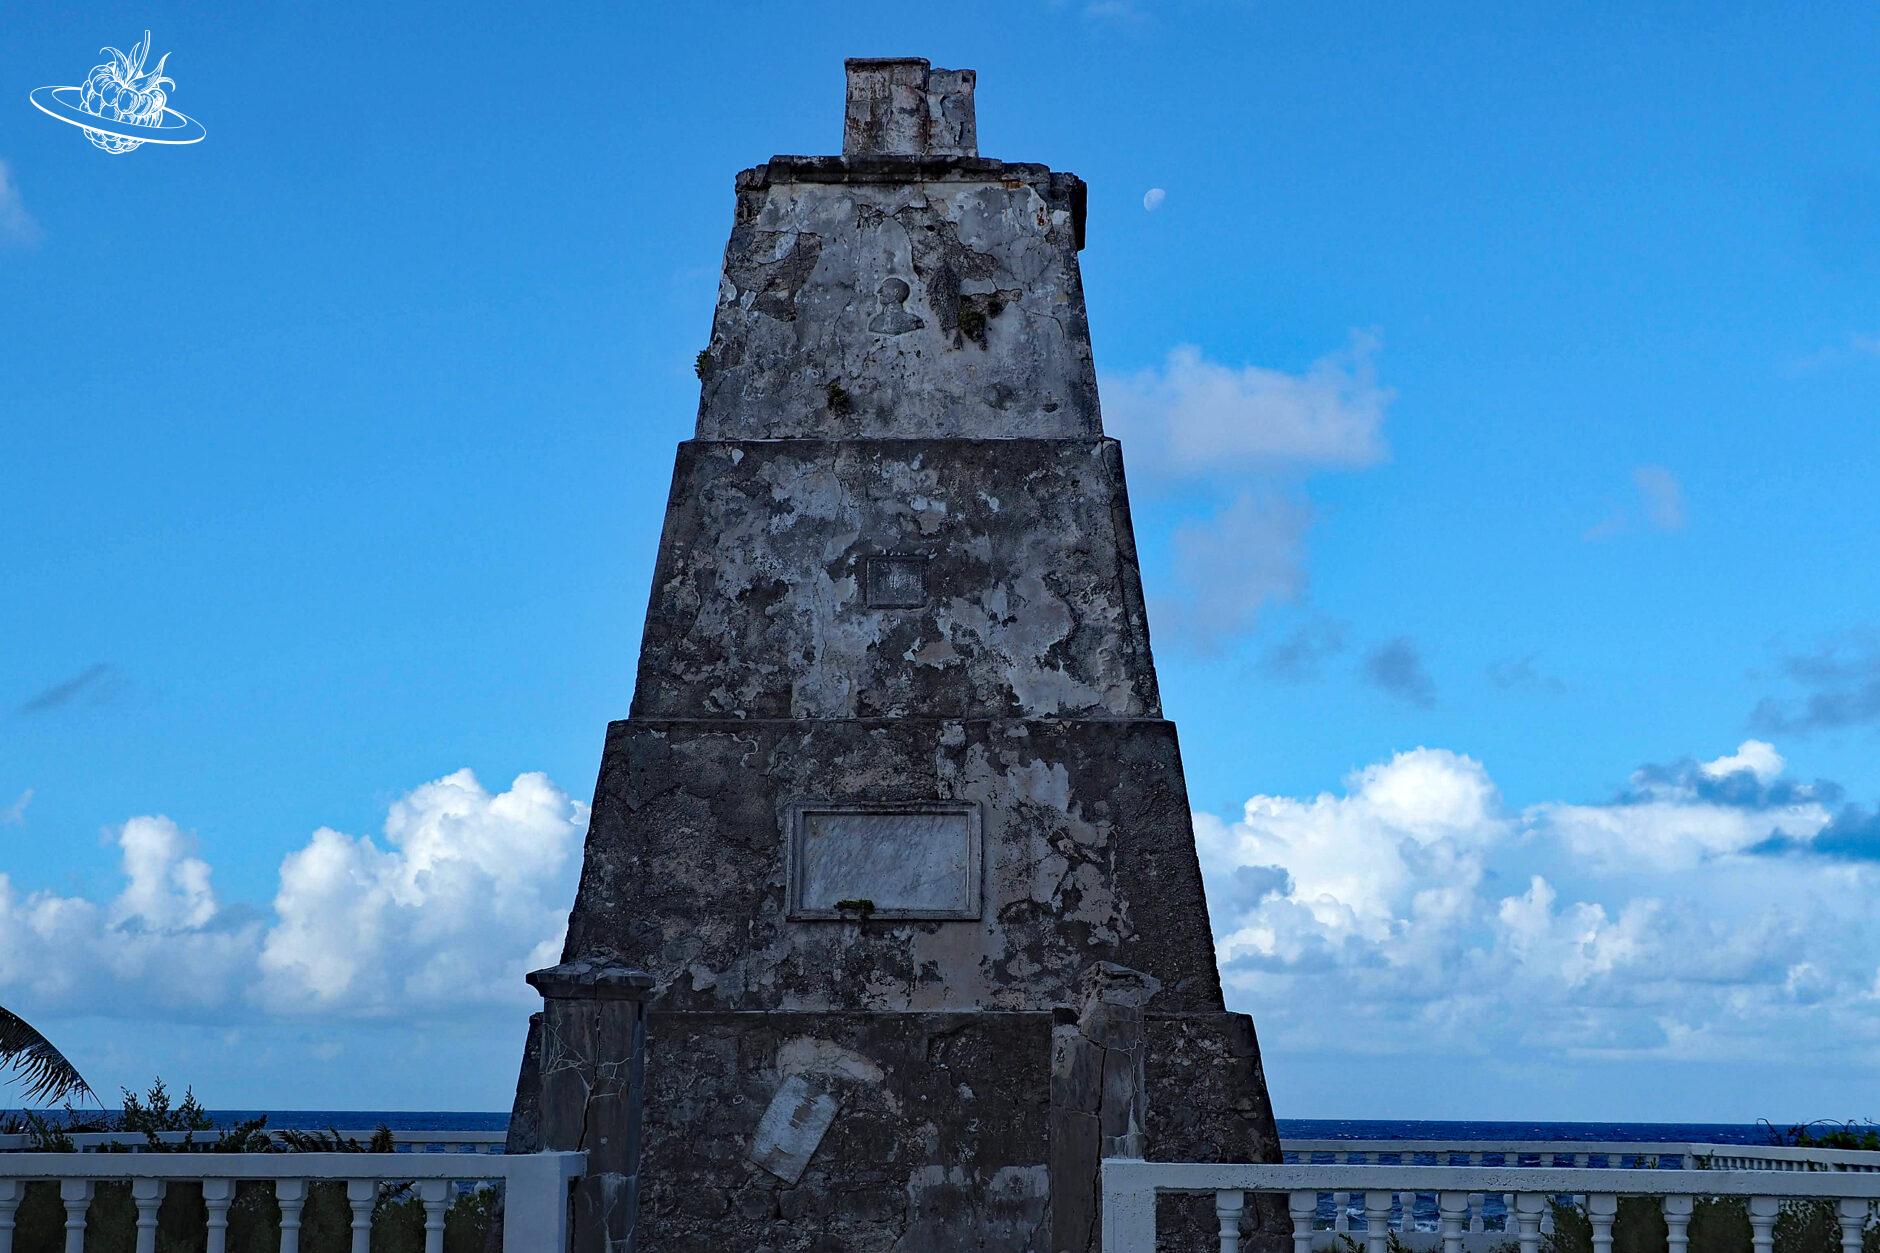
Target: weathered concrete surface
897,596
901,298
942,1139
1208,1103
1033,601
902,106
939,1143
1088,857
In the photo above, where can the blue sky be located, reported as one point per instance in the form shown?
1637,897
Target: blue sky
333,452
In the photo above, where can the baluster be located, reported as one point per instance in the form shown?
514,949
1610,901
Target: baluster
1602,1208
1507,1211
216,1196
1452,1209
147,1195
1677,1210
1527,1214
1762,1223
1364,1159
1228,1203
12,1191
1478,1218
435,1193
1547,1218
291,1196
1377,1221
1341,1201
360,1194
76,1193
1304,1208
1853,1216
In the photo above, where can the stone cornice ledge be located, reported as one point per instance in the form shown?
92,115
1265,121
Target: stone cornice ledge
593,979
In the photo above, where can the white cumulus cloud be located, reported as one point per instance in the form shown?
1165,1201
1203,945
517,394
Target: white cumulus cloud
1688,918
1673,820
468,891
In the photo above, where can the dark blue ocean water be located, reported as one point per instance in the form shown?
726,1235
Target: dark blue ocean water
1289,1128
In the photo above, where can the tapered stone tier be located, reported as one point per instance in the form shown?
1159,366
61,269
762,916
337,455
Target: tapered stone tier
896,825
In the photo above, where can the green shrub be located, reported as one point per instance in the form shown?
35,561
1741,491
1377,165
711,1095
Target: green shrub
1718,1225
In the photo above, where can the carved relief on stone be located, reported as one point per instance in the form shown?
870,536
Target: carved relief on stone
895,318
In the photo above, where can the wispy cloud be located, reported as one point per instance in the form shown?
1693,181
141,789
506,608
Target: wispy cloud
1297,658
16,224
98,683
1195,419
1662,497
1521,674
15,814
1840,679
1125,11
1856,347
1396,667
1232,564
1658,503
1242,439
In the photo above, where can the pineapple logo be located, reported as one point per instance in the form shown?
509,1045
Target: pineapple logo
121,105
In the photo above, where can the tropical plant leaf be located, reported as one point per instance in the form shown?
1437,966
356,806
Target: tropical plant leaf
46,1072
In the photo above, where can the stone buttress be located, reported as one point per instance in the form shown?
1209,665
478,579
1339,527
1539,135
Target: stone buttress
896,825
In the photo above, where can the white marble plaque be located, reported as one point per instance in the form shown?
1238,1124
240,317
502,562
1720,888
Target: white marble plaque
858,859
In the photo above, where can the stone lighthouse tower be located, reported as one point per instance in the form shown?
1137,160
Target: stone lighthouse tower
896,826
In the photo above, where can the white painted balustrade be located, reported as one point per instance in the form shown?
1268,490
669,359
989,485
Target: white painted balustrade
1488,1210
535,1188
203,1141
1130,1188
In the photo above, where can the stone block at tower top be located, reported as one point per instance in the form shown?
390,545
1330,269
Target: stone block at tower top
901,106
907,289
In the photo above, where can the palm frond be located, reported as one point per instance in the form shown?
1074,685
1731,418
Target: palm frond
46,1072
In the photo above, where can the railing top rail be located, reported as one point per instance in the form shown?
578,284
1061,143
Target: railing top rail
1134,1174
1606,1148
1627,1147
288,1165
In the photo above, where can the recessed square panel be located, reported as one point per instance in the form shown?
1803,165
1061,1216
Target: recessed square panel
896,581
862,859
